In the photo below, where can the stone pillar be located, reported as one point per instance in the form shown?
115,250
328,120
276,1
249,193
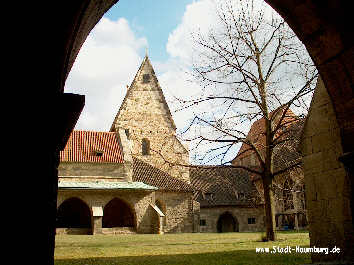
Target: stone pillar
328,191
161,228
97,214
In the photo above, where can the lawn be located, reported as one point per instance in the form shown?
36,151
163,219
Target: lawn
196,248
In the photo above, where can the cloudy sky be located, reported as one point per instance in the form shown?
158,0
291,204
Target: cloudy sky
115,48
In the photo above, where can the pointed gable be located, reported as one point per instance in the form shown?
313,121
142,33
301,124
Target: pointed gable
145,82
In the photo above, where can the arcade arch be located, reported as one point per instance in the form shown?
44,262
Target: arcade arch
117,213
73,213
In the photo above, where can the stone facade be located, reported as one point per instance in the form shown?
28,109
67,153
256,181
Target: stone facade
179,211
228,200
211,216
145,117
328,188
145,133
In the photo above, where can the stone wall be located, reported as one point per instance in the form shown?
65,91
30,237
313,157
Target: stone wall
327,184
113,170
179,209
211,216
144,114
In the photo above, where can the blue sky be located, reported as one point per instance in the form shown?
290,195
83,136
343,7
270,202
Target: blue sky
153,19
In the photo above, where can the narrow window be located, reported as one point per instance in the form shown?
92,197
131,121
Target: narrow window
145,147
146,78
202,222
127,132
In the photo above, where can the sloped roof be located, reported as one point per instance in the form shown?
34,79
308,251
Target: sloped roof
146,63
153,176
285,154
83,146
256,133
222,185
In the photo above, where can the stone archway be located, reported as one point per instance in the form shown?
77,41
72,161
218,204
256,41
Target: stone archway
75,216
117,213
323,26
227,223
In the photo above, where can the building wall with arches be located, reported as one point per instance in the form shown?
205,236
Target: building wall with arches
139,203
247,219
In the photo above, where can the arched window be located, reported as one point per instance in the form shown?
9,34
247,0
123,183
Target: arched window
288,194
145,147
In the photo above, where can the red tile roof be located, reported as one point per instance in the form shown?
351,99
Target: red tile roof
85,146
257,134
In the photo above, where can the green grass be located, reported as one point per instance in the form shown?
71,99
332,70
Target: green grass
196,249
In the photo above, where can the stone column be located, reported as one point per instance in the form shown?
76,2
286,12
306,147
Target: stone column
97,214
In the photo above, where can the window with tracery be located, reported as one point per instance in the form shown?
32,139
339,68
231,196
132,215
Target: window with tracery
288,194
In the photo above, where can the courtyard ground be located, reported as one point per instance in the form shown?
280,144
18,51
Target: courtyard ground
182,249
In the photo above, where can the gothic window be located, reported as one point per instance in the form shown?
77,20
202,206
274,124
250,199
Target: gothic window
288,194
146,78
145,147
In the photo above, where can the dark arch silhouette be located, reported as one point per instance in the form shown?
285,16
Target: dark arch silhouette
314,22
73,213
227,223
118,213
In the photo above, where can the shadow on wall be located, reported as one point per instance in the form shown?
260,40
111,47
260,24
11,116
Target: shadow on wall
225,257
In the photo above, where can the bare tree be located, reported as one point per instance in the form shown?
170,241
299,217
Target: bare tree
251,67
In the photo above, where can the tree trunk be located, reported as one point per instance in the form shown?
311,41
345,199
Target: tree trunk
268,183
269,207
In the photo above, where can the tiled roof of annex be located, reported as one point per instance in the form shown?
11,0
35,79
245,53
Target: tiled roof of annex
223,185
93,147
153,176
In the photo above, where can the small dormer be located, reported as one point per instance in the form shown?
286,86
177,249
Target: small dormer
98,153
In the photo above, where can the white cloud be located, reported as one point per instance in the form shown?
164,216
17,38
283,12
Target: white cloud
105,65
198,16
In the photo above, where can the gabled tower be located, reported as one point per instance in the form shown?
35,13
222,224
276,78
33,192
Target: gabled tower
148,123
